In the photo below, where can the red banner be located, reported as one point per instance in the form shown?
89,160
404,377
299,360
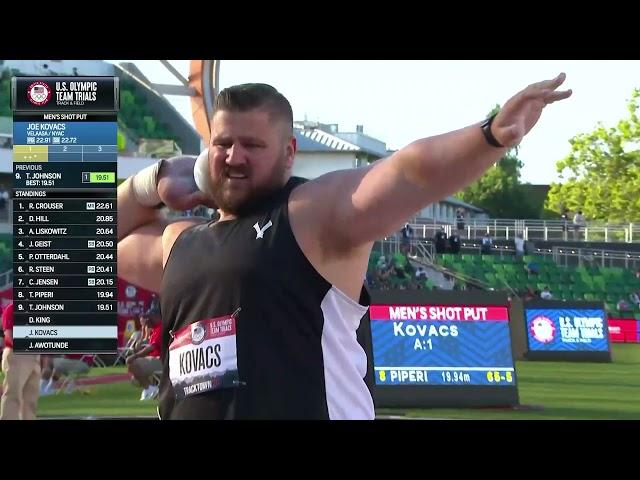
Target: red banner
624,330
438,312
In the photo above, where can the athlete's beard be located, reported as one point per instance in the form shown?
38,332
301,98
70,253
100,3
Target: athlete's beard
240,201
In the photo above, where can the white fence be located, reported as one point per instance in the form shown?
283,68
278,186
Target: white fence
547,230
6,278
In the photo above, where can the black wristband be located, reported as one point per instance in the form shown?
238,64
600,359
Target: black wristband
488,135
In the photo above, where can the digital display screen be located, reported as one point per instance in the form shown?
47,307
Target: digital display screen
567,329
441,345
65,160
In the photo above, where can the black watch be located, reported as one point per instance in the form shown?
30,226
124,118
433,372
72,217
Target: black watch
488,135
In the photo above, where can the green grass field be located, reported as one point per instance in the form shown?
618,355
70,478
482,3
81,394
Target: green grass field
562,390
115,399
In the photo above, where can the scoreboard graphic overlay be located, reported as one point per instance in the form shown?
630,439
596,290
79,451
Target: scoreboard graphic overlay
64,214
567,331
442,349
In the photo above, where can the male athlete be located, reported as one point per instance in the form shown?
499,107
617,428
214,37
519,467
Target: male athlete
261,307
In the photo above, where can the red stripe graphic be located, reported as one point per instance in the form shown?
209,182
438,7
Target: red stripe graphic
213,328
439,312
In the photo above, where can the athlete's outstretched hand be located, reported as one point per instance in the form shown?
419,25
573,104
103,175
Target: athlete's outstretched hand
522,111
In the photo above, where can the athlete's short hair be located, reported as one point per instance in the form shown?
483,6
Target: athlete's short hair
250,96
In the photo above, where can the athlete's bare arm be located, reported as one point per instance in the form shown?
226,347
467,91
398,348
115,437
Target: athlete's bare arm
144,236
337,217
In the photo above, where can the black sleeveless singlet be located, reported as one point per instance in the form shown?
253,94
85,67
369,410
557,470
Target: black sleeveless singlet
300,341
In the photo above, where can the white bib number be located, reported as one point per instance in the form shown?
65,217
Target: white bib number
203,357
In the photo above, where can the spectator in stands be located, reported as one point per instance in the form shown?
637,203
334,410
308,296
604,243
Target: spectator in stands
635,298
370,280
454,243
532,268
546,294
579,222
409,269
623,306
487,244
529,294
441,241
381,270
20,388
529,247
144,363
400,272
406,234
519,245
4,199
565,221
387,273
460,221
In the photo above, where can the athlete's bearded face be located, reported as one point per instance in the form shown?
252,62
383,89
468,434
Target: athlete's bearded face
250,156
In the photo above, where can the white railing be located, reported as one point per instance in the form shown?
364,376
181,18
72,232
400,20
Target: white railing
6,278
565,256
388,246
424,250
590,256
547,230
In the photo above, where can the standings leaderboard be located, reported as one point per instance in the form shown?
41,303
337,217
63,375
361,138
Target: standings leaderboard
64,214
